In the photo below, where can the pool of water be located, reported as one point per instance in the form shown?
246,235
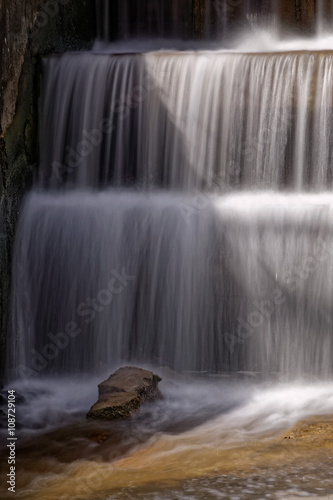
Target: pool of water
209,437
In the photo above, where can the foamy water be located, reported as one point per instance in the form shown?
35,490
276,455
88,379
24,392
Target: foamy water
258,40
207,417
237,406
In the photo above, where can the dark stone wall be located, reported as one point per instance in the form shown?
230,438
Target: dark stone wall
158,18
29,30
298,14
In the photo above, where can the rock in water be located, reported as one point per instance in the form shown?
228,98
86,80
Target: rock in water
124,392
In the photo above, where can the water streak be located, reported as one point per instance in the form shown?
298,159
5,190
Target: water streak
183,120
209,283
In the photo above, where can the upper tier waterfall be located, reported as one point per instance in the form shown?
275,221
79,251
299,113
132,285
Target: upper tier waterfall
207,120
124,19
220,20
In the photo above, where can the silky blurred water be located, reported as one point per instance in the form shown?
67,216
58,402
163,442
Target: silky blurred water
216,416
208,120
200,283
216,263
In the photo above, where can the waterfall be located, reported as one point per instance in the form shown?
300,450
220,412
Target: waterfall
207,120
324,17
239,282
142,18
181,215
128,19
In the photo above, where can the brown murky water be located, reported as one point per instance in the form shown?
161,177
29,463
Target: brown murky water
246,451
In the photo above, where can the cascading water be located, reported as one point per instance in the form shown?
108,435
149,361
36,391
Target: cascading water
182,218
141,18
193,120
324,17
217,282
125,19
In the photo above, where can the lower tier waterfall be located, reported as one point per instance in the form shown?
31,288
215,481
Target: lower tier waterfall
199,283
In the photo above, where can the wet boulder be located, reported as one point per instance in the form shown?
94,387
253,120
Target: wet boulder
124,392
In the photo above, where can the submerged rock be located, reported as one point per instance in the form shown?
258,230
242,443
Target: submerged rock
124,392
